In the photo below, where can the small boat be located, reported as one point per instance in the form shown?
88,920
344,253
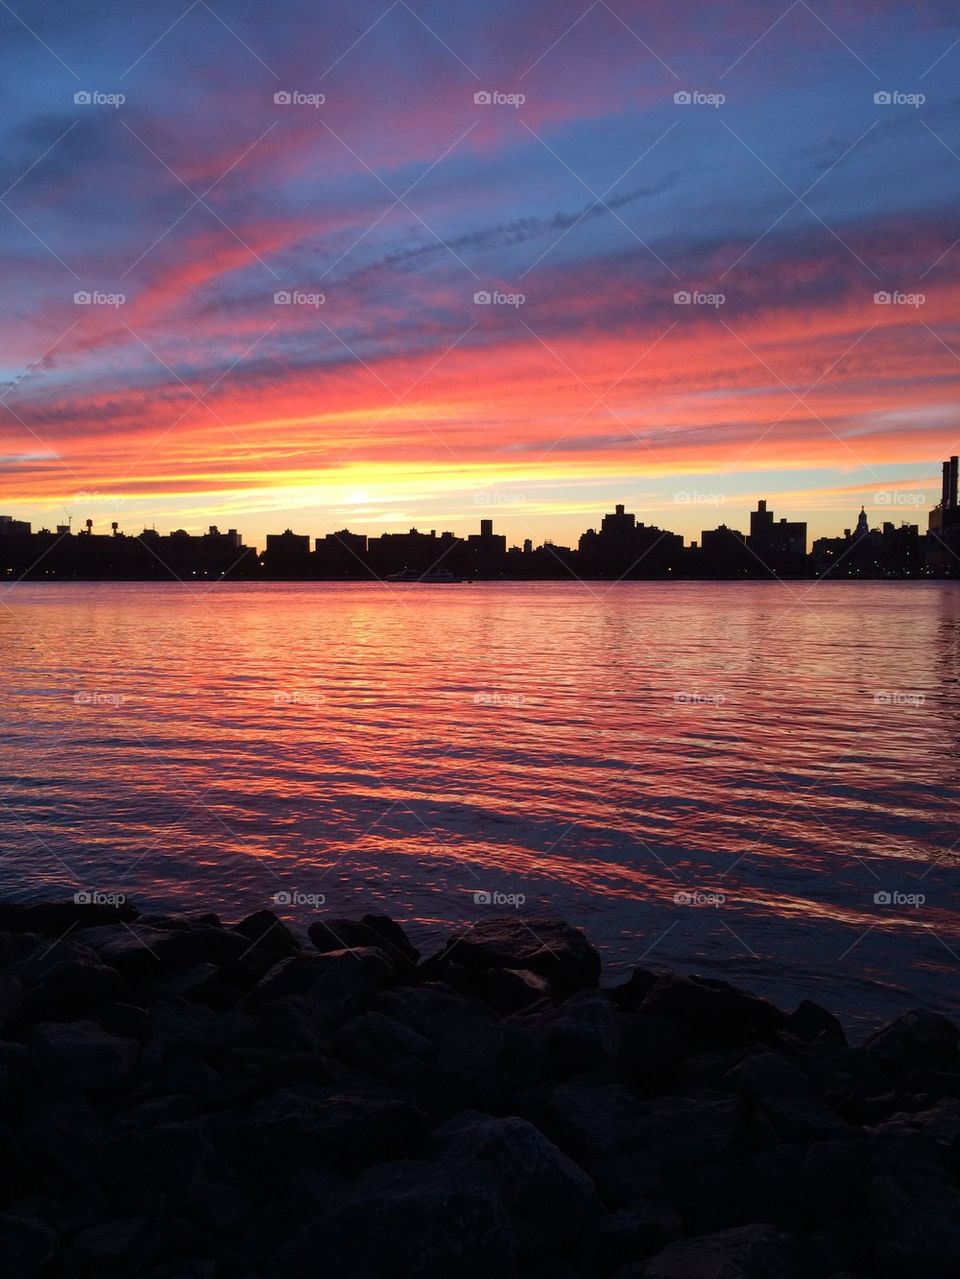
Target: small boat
436,577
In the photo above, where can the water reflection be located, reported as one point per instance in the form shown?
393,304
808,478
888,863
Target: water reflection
604,751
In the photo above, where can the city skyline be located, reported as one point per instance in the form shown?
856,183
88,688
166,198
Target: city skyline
619,546
609,247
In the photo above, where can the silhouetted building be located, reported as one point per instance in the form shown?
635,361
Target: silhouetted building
779,545
943,527
624,548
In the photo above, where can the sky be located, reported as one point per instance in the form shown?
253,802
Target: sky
385,264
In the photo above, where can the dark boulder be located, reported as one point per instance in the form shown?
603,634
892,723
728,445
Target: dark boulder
549,947
124,1244
917,1040
52,919
407,1220
336,984
346,934
915,1225
26,1246
547,1195
581,1033
393,932
268,939
712,1011
510,990
747,1252
78,1055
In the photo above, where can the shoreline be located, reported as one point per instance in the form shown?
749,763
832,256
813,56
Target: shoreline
185,1097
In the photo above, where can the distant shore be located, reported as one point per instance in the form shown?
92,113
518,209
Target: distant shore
187,1098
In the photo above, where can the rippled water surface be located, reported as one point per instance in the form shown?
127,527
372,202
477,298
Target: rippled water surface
785,755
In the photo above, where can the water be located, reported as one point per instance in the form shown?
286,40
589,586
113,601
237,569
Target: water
789,751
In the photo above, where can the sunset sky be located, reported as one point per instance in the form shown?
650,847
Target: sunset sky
399,400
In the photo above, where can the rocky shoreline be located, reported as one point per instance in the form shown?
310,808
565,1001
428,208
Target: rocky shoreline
184,1099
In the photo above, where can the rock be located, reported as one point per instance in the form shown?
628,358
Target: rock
63,1137
586,1121
393,933
508,990
71,990
26,1245
631,1233
375,1043
120,1244
11,997
336,984
316,1127
407,1220
713,1011
748,1252
547,1196
142,951
288,1025
168,1159
634,991
916,1225
191,1030
764,1075
486,1059
345,934
549,947
581,1033
811,1022
78,1055
268,939
52,919
651,1048
917,1040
